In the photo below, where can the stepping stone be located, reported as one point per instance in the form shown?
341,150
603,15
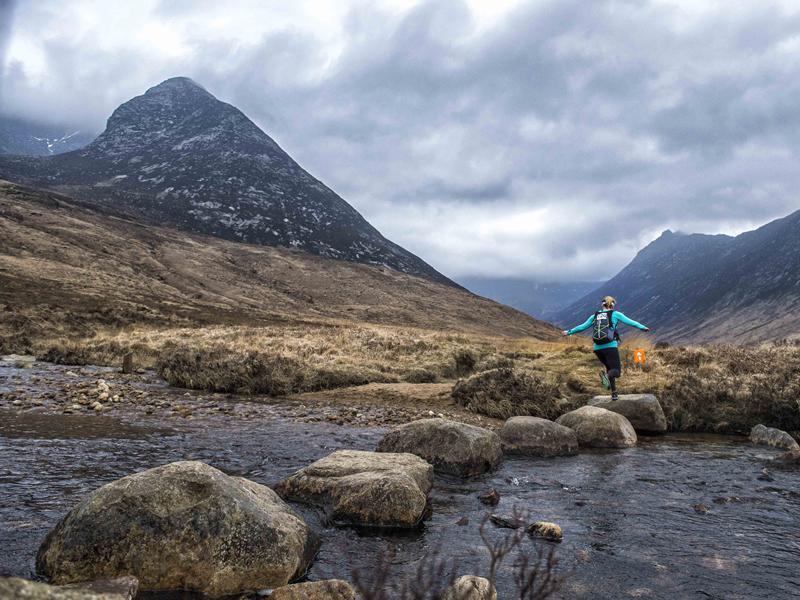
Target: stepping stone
642,410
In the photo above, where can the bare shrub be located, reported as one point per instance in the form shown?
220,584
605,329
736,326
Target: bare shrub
534,570
221,370
494,362
743,388
504,393
421,376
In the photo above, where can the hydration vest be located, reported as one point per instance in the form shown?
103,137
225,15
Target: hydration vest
603,330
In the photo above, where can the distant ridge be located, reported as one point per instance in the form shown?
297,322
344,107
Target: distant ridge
710,288
177,155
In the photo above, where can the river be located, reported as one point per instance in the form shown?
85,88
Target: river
629,522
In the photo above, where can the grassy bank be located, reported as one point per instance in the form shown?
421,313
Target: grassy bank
713,389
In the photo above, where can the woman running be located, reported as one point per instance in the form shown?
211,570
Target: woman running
606,340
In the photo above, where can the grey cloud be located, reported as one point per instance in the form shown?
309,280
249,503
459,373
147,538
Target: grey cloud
552,145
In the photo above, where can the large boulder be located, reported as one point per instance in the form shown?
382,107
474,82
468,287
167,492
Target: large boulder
451,447
769,436
599,428
13,587
642,410
470,587
369,489
330,589
182,526
532,436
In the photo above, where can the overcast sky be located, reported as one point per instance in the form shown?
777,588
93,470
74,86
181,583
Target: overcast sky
538,139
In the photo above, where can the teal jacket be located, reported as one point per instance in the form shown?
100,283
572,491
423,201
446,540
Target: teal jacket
616,317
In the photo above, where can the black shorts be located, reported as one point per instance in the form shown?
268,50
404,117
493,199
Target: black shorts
610,359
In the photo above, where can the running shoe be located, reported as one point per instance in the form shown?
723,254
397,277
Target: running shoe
604,380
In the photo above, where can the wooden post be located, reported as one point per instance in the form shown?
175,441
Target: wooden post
127,363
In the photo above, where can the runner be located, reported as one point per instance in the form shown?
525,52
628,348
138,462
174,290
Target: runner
606,340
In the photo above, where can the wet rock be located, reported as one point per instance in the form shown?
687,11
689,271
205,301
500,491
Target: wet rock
97,407
534,436
700,508
331,589
642,410
184,525
765,475
462,521
545,530
490,498
451,447
18,361
506,521
599,428
364,488
13,587
793,456
470,587
122,587
769,436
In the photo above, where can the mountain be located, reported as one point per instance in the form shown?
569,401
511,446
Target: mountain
21,136
538,299
176,155
67,267
710,288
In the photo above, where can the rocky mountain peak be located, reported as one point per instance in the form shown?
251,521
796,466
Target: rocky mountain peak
177,155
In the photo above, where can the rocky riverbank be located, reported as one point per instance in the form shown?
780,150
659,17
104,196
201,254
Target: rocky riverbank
104,390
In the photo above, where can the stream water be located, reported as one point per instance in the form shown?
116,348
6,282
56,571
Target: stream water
630,529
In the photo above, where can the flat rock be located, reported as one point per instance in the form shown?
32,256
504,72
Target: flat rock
14,587
532,436
769,436
599,428
451,447
19,361
330,589
642,410
470,587
123,587
182,526
371,489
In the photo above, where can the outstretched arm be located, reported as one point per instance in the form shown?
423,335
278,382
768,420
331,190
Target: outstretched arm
631,322
585,325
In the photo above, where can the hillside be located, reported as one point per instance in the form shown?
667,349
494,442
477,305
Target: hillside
711,288
176,155
66,267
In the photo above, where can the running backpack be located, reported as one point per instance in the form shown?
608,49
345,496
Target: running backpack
603,330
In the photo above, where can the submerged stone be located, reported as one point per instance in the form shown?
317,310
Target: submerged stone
769,436
545,530
16,588
470,587
330,589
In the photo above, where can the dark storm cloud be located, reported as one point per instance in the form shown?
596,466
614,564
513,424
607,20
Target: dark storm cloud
6,20
553,143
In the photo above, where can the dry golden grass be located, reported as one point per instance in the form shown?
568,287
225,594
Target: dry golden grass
714,388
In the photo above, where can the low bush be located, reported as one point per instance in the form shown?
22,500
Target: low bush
504,393
730,400
220,370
